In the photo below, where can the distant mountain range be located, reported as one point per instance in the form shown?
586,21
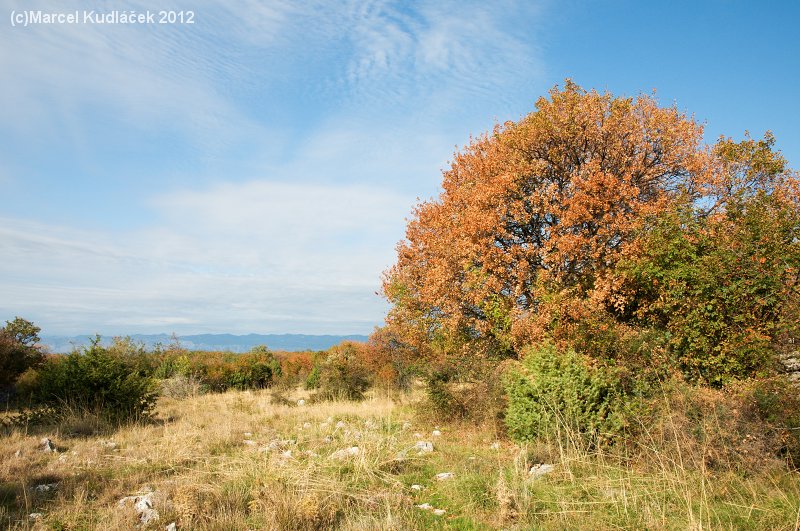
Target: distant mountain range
229,342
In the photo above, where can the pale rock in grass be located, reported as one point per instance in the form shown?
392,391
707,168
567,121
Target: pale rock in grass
425,506
249,442
247,434
328,439
416,487
324,425
18,453
171,527
540,470
286,454
439,512
436,433
424,447
345,453
35,516
301,402
143,505
47,445
418,436
406,425
45,487
341,425
444,476
370,424
329,420
306,425
495,445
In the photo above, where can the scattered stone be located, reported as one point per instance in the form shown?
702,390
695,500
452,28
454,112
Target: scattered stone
17,454
301,402
47,445
495,446
370,424
45,487
328,439
35,516
143,505
428,507
247,434
416,487
345,453
341,425
418,436
306,425
424,447
249,442
325,425
287,454
436,433
406,425
111,445
472,458
443,476
329,420
171,527
540,470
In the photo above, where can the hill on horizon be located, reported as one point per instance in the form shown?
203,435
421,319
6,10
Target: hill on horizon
212,342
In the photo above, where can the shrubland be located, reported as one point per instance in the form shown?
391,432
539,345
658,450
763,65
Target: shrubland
591,324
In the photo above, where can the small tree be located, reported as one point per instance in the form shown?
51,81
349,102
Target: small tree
18,351
96,380
343,375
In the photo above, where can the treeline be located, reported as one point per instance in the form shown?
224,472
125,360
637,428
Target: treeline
123,380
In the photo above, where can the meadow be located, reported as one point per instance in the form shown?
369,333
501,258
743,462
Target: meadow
257,460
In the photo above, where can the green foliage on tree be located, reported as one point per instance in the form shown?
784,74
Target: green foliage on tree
98,380
18,352
343,376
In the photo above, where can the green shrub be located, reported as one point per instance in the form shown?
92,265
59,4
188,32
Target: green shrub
96,380
552,392
312,382
343,376
17,350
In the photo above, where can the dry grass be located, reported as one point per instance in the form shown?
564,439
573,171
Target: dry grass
237,461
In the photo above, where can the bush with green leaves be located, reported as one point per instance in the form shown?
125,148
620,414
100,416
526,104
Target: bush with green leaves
343,375
97,380
554,392
18,352
312,382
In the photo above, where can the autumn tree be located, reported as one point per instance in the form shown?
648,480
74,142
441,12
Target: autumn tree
526,239
541,207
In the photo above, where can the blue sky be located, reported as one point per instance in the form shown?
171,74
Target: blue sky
252,172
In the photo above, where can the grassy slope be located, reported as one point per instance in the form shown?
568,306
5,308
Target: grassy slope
195,456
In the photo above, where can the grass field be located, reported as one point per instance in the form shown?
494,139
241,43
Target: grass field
240,461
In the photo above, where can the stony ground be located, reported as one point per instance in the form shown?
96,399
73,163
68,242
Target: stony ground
239,461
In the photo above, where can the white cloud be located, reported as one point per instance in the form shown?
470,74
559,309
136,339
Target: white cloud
391,87
258,256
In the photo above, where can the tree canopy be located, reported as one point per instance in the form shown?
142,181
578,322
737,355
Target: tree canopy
527,238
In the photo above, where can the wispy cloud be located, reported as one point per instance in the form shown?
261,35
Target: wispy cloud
262,160
258,256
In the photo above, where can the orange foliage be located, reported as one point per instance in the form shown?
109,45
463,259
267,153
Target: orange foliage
545,205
